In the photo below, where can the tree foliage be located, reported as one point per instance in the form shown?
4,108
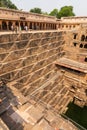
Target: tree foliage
54,12
63,12
66,11
36,10
7,4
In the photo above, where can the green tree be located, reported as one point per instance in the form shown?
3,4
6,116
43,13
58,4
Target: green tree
54,12
66,11
7,4
36,10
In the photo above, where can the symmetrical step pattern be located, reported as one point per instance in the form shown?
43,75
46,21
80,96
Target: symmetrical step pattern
28,58
55,94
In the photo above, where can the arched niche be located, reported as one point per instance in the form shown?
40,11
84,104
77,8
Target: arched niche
75,35
81,45
82,37
75,44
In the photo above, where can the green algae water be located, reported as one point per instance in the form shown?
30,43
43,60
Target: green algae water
77,114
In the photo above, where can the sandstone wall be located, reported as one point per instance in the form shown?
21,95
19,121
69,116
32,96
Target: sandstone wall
27,59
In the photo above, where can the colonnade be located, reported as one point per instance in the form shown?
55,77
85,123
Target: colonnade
6,25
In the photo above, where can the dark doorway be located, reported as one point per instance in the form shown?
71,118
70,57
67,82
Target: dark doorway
26,24
86,59
81,45
74,43
75,35
82,37
4,25
22,26
34,26
30,25
85,46
16,23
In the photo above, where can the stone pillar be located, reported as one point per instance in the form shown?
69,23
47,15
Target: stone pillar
48,26
7,25
28,24
13,23
52,26
33,26
19,26
55,26
23,25
58,26
44,26
41,25
0,24
37,26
